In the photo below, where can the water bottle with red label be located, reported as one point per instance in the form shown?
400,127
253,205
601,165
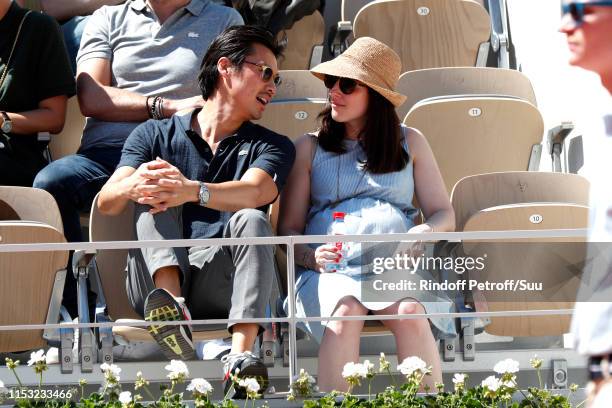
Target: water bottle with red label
338,227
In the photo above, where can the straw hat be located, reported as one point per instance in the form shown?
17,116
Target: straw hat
370,62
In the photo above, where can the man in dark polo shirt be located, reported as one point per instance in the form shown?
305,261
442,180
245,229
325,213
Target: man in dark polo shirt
207,173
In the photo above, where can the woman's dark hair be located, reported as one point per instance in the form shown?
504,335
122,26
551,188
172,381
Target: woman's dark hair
234,43
380,138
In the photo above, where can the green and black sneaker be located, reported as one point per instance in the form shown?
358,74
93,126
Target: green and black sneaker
175,340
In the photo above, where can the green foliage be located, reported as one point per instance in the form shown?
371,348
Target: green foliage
494,392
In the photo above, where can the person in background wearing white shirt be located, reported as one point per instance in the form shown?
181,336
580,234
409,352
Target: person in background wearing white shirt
588,27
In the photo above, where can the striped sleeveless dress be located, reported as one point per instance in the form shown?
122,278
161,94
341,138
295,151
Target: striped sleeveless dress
373,204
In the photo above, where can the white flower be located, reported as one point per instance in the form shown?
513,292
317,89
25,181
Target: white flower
383,363
37,357
200,385
307,377
459,379
507,366
412,364
110,369
125,397
303,385
250,384
492,383
111,374
536,362
369,368
178,369
354,370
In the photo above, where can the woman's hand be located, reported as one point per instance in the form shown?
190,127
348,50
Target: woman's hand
415,248
326,254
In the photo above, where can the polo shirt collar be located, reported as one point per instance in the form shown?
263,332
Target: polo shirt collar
185,122
195,7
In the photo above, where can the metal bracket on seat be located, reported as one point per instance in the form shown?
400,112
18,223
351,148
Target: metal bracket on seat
267,351
87,349
448,352
285,344
556,137
267,345
105,340
560,375
65,350
469,342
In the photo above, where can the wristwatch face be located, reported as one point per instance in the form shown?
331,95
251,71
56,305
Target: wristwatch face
204,194
7,125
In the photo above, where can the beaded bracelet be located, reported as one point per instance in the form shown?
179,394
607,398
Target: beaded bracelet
155,112
148,107
161,108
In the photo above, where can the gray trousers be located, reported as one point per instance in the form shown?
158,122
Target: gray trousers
233,281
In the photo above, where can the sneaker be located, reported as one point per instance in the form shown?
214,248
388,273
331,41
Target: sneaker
175,341
248,365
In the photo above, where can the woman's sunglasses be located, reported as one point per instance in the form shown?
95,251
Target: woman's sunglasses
576,9
266,73
347,85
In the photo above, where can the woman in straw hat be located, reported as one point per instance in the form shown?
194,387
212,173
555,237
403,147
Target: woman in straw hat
364,163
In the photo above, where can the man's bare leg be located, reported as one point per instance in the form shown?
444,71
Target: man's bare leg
168,277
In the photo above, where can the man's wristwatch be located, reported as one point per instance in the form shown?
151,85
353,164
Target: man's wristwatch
7,124
203,194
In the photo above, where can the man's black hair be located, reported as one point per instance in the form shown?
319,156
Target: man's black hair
235,43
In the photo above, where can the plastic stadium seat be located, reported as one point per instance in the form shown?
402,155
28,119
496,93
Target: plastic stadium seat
31,276
292,118
474,135
302,37
297,103
69,139
32,204
299,84
36,276
427,33
526,201
473,193
350,8
462,81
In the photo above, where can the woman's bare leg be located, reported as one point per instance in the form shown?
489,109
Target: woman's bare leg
413,337
340,345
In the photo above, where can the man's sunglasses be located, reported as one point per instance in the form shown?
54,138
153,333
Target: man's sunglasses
576,9
266,73
347,85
